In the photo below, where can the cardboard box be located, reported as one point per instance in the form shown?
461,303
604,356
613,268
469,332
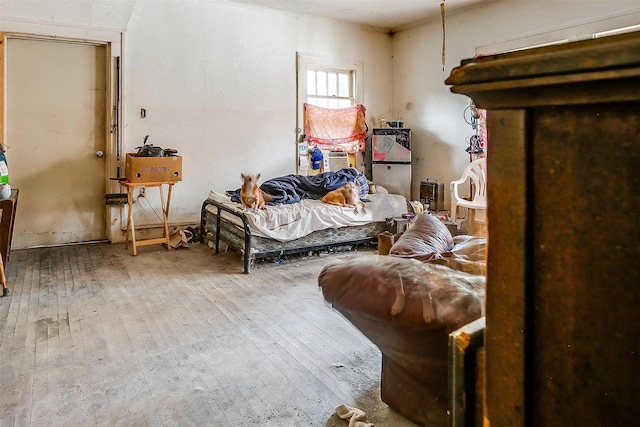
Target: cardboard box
153,169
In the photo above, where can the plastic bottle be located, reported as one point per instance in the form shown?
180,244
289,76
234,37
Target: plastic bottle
5,188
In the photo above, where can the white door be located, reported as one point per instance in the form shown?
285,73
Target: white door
56,133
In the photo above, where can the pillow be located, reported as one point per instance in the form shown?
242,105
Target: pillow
426,237
377,189
363,184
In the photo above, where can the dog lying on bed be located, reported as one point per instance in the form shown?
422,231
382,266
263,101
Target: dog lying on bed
250,194
347,195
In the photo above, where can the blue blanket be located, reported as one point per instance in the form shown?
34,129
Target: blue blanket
293,188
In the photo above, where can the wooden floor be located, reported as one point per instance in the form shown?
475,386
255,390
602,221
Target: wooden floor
93,336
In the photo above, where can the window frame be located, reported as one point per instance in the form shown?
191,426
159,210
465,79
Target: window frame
581,31
331,96
306,62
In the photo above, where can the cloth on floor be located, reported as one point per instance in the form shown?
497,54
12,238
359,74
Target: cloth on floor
179,238
336,129
356,417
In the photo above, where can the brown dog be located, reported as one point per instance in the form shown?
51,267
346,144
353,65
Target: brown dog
347,195
250,194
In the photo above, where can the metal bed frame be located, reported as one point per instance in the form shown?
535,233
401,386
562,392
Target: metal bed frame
256,247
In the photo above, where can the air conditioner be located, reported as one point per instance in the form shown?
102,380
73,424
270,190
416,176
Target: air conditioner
336,160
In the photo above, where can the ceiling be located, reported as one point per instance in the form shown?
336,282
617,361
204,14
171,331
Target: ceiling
384,14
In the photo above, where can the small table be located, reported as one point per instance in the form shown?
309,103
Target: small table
130,186
399,225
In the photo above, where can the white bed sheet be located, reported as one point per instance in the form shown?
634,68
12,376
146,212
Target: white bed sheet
290,222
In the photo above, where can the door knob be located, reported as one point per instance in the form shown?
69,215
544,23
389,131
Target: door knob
99,153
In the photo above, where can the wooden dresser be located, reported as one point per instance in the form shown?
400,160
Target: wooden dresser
563,294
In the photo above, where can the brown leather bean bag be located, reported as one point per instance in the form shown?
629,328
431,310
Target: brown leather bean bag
407,308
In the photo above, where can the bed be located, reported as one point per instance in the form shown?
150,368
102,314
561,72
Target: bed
296,221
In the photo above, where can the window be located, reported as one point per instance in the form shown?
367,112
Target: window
563,35
330,88
622,30
328,83
606,27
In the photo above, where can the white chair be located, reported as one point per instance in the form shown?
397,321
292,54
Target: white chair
475,175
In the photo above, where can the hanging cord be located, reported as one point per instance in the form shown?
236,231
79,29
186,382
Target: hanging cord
443,35
149,204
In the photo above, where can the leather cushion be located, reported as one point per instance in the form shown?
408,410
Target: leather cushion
426,238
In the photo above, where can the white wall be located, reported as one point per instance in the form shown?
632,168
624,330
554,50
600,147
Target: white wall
425,103
218,82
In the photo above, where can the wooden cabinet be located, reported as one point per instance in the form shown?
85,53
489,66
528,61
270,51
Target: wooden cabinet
8,215
8,209
563,291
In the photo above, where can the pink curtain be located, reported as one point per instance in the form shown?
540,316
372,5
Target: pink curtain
341,129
